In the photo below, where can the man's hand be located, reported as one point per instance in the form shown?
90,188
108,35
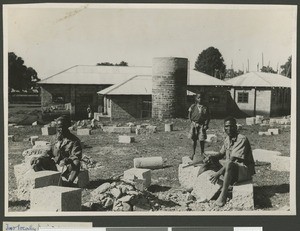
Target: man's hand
215,177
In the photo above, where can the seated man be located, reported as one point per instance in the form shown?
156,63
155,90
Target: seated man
66,152
239,164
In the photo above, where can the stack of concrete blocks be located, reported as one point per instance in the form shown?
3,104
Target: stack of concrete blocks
58,199
187,175
203,188
168,127
126,139
112,129
141,177
11,138
83,132
250,120
278,162
243,196
48,131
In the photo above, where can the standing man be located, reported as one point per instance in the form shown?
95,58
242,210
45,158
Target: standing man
199,115
239,165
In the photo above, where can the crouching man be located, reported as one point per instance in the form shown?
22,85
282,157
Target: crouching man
66,153
239,163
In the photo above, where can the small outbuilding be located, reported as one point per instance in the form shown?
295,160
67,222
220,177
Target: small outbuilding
259,93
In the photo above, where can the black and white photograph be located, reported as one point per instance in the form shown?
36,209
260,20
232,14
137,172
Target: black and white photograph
149,109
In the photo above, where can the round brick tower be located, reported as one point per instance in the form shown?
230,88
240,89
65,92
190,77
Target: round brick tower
169,86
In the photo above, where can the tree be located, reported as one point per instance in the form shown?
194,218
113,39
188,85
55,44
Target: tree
231,73
122,63
211,62
268,69
287,68
20,77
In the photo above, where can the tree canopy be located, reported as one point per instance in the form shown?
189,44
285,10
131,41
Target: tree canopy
20,77
211,62
287,68
122,63
268,69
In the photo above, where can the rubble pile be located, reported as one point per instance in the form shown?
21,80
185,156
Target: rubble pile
87,162
120,196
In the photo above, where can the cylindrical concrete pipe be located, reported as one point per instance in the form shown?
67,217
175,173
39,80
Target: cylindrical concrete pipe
169,86
148,162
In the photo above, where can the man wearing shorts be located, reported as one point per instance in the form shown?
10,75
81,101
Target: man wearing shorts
199,115
239,164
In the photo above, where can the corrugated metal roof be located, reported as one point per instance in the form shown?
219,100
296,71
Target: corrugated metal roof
197,78
260,79
137,85
98,75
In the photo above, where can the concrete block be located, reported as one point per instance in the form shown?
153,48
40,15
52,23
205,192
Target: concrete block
138,131
36,151
284,121
264,155
34,123
280,163
211,138
82,179
138,173
243,196
186,160
41,144
33,139
126,139
203,189
168,127
264,133
33,180
188,175
123,130
55,199
97,116
11,138
274,121
83,132
273,131
48,131
148,162
250,120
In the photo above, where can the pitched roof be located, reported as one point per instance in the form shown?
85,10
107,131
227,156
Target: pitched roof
97,75
260,79
137,85
197,78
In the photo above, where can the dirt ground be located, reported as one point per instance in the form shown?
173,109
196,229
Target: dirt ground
271,188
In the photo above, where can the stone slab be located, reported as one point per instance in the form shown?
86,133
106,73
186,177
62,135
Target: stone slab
48,131
203,189
83,132
264,155
112,129
138,173
243,196
188,175
186,160
280,163
126,139
58,199
273,131
33,180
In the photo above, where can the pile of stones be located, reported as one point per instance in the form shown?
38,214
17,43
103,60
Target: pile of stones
120,196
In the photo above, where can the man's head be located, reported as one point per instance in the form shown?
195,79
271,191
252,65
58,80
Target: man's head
62,126
230,126
199,98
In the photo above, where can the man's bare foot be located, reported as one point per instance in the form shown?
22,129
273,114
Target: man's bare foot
220,202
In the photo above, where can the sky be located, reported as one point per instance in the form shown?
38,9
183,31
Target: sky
53,37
